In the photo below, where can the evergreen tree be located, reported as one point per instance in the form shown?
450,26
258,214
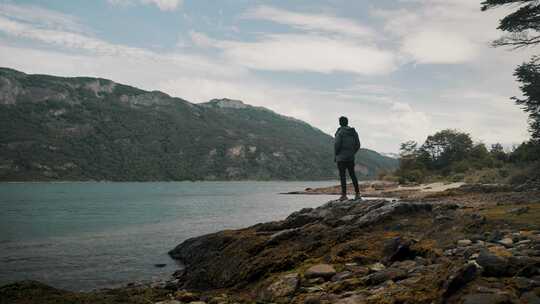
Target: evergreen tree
522,26
528,74
523,30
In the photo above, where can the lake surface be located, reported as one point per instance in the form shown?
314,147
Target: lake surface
83,236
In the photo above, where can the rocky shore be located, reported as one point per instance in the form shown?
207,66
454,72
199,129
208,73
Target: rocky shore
472,244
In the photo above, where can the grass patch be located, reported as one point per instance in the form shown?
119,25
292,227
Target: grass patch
502,213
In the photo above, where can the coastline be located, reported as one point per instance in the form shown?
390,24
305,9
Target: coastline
384,189
430,246
164,181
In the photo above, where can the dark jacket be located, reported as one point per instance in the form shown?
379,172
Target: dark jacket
346,144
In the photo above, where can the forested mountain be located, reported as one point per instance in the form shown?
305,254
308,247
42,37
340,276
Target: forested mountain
55,128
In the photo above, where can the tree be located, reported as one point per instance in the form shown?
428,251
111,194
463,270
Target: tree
408,149
497,152
529,75
480,157
411,168
523,28
408,155
445,147
525,153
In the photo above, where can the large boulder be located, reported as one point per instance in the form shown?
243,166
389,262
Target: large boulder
499,266
493,265
459,278
238,257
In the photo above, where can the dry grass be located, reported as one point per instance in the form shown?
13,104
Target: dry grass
501,213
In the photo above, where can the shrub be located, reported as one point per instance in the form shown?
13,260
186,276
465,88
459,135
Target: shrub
521,174
458,177
518,177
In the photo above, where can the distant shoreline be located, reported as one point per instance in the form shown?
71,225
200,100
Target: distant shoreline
157,181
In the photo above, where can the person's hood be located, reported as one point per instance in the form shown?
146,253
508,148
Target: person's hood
346,130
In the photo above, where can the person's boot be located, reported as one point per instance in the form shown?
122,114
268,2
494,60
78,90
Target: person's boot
357,197
343,197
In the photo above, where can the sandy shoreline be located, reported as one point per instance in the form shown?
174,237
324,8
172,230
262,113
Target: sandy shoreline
382,189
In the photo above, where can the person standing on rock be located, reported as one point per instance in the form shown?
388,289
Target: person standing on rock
346,145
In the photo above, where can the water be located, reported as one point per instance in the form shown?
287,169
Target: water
84,236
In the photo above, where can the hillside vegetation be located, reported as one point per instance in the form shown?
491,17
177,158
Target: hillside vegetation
54,128
452,155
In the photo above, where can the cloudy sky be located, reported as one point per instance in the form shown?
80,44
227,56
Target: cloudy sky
399,69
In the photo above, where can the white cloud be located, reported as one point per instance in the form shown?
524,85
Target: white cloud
285,100
65,38
202,40
408,123
41,17
489,116
95,46
441,32
454,3
316,49
309,52
146,72
460,5
310,22
164,5
439,47
475,98
389,123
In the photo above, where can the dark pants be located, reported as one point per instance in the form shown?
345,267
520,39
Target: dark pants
347,165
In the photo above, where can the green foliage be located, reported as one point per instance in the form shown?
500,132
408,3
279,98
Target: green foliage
70,129
524,172
497,152
450,154
484,176
412,166
459,177
525,153
528,74
445,147
411,176
472,163
480,157
522,25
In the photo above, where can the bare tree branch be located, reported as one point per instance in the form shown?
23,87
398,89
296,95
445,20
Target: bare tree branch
517,41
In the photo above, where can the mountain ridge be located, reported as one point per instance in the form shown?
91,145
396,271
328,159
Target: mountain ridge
84,128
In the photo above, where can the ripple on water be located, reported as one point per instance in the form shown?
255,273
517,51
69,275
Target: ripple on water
84,236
